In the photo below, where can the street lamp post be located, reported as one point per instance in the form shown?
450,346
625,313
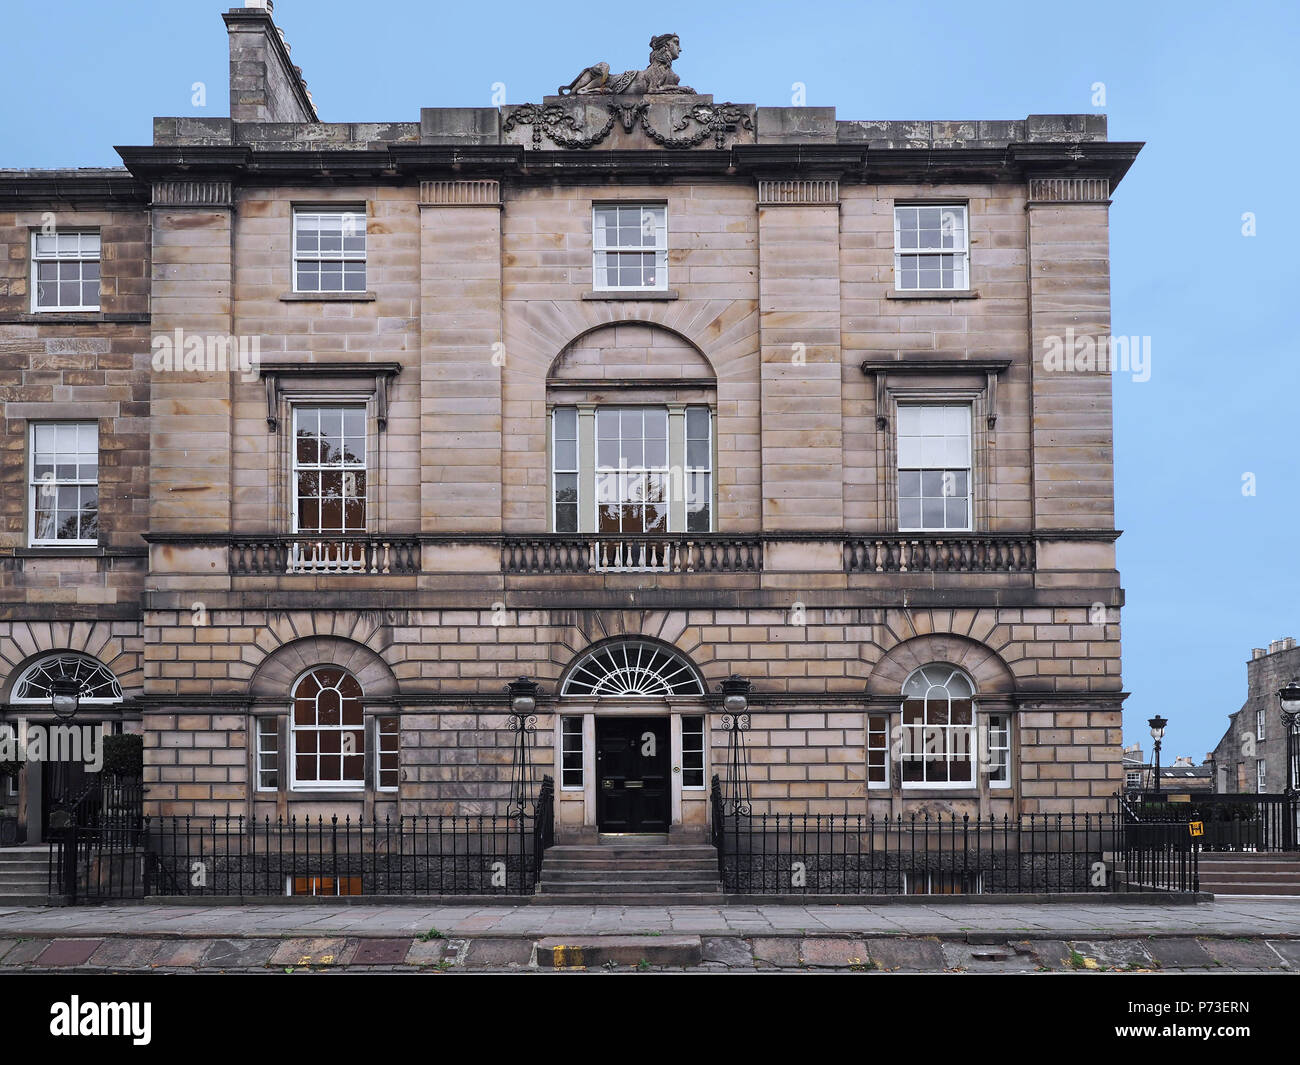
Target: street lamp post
735,719
1289,699
523,702
1157,725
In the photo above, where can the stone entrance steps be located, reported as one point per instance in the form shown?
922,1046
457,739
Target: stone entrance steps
633,871
1244,873
24,876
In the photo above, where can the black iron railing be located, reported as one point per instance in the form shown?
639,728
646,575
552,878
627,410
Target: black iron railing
838,854
1239,821
488,854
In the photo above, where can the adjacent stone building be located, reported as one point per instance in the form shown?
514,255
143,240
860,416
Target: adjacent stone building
1252,754
317,435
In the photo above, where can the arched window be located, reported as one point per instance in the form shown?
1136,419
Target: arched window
630,669
36,685
328,730
938,728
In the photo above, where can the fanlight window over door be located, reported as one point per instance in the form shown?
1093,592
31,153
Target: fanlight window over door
98,685
631,669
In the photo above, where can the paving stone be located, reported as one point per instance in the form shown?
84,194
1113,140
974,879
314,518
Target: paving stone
1115,953
24,952
900,953
592,951
1238,954
308,952
731,951
381,952
498,953
783,952
1049,953
68,952
181,952
426,951
1180,953
833,953
5,944
1287,949
126,953
985,958
238,953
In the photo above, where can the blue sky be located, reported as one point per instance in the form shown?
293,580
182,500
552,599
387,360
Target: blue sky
1209,571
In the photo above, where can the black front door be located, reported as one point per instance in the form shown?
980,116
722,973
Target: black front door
632,789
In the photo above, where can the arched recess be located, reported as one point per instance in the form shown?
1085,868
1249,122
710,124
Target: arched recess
624,353
275,677
28,641
985,666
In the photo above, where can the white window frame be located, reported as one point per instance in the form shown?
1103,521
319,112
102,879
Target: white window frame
882,748
999,723
351,784
1261,775
602,254
361,465
565,413
78,255
1260,715
950,734
692,755
268,760
629,471
573,727
341,255
961,253
388,743
922,467
691,470
35,485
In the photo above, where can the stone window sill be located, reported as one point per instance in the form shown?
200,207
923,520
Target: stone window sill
932,294
329,297
633,294
74,318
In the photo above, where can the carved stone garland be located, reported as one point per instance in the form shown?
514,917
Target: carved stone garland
563,129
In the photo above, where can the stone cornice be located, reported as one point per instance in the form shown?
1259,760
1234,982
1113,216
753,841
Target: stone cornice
402,162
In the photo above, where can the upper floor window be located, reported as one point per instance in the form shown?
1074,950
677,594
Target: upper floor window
65,270
934,467
63,490
630,246
328,730
329,250
329,478
647,470
1259,724
931,248
329,470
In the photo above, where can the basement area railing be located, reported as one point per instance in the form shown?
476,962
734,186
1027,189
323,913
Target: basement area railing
236,857
848,854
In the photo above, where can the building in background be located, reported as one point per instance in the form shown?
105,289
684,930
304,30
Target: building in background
1252,755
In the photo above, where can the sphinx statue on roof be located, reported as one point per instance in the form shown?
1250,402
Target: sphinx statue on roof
658,77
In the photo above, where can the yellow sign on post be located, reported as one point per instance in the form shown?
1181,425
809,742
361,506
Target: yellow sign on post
1197,828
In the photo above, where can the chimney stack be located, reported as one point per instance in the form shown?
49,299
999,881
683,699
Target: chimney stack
265,86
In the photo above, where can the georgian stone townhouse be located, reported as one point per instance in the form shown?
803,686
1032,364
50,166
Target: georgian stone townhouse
323,442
